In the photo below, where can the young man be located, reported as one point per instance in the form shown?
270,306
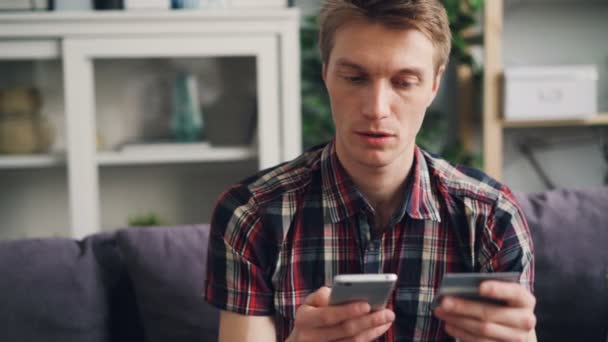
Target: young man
370,201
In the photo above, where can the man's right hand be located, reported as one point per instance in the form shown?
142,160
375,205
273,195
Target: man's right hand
317,321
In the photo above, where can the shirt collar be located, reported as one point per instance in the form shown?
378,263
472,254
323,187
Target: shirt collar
342,199
423,200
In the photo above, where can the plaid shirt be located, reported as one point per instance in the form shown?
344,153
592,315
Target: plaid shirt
282,234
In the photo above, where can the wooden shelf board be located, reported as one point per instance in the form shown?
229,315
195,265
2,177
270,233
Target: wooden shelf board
599,120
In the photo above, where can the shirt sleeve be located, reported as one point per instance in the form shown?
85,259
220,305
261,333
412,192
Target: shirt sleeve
238,280
508,243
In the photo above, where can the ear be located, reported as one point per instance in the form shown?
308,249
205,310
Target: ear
324,72
436,84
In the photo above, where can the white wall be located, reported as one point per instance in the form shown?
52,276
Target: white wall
33,203
542,32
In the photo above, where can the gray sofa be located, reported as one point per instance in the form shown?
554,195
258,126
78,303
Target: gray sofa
145,284
570,233
136,284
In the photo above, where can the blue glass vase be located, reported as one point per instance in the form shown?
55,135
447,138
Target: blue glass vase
186,116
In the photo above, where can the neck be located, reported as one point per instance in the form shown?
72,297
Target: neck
382,185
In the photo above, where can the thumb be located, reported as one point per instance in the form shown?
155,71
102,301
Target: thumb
319,298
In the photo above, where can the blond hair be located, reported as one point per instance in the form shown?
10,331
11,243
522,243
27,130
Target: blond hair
426,16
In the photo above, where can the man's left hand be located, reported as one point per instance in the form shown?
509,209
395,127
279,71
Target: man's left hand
476,321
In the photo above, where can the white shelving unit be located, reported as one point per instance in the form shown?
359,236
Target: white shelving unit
215,154
80,40
31,162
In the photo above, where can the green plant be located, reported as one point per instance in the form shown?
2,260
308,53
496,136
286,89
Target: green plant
462,15
147,220
317,124
432,138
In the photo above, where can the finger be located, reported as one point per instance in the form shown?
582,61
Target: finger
370,334
518,318
319,297
462,335
468,308
513,293
354,327
487,330
315,317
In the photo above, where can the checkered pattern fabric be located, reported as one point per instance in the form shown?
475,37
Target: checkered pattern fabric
280,235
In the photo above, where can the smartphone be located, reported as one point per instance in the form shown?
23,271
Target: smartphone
374,289
466,285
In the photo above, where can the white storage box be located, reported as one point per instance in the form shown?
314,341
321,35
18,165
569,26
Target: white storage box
147,4
257,3
550,93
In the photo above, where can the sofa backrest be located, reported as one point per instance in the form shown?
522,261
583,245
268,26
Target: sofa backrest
570,233
167,266
64,290
136,284
146,284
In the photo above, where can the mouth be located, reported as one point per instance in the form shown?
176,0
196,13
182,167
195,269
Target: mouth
376,139
375,134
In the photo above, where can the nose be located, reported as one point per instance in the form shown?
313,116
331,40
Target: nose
376,101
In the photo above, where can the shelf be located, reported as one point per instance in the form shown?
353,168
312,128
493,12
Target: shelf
30,50
599,120
176,155
72,43
31,161
233,13
120,23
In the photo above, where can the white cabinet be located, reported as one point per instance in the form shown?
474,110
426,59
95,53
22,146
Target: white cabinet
99,54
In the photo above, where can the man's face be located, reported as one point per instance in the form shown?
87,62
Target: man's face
380,82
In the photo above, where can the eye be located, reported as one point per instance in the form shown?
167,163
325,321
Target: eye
355,79
404,84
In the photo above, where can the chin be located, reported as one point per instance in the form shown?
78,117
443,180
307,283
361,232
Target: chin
371,157
376,158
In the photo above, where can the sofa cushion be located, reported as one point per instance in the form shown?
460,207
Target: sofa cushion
570,233
167,268
52,290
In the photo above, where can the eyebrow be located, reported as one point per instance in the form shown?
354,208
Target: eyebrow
345,63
